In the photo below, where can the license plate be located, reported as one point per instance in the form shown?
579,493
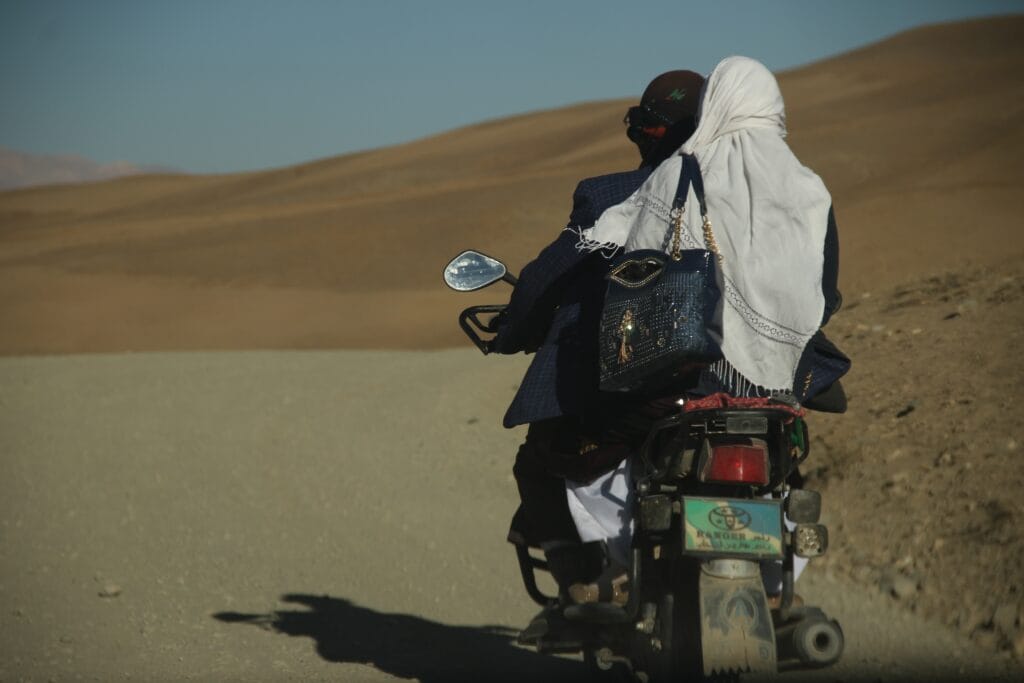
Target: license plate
732,528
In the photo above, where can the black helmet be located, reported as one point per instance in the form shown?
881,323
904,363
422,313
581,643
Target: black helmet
666,115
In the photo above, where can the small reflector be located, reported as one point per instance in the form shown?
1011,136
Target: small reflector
810,540
737,464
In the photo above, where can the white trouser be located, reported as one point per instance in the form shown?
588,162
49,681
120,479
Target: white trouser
602,509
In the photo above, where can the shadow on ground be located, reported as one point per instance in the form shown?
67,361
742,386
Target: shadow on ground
409,647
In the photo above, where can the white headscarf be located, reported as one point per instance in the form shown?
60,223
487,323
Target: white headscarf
769,215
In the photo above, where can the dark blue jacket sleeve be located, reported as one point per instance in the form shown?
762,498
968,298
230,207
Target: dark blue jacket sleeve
525,322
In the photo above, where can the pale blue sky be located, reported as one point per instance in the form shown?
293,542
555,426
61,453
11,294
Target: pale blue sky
226,85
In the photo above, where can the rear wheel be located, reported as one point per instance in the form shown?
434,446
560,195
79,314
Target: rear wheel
678,629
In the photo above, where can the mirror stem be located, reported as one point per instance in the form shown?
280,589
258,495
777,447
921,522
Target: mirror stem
510,278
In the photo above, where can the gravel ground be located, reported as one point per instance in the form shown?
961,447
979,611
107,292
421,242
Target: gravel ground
174,516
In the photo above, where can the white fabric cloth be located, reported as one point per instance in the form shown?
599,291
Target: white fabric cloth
601,511
769,215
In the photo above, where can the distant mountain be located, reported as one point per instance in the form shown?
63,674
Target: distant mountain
21,169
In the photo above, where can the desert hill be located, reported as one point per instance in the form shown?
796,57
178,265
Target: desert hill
917,137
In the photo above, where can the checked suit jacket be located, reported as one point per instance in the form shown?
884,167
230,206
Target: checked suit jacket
555,312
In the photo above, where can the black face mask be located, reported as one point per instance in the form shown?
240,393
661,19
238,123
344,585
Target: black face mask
654,134
643,122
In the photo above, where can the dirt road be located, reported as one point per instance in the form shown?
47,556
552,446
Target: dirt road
177,516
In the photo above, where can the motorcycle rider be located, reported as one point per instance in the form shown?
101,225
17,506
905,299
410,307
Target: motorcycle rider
554,312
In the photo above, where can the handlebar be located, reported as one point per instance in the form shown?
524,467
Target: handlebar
472,325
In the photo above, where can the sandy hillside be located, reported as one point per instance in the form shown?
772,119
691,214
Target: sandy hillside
918,138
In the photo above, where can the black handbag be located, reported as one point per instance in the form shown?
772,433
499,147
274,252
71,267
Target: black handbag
661,311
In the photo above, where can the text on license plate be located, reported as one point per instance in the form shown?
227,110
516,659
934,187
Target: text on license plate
720,526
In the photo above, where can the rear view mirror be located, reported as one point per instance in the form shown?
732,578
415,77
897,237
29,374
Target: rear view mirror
472,270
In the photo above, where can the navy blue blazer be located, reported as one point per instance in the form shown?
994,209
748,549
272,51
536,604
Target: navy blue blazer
555,311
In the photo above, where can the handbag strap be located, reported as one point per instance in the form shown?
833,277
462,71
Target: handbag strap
692,169
690,173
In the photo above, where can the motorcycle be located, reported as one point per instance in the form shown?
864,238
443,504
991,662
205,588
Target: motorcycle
717,497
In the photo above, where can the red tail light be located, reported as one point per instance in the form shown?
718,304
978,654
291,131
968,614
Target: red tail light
737,464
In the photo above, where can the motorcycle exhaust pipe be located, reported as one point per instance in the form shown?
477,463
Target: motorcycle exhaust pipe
813,641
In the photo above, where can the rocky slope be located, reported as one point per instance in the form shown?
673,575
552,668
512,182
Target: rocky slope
923,476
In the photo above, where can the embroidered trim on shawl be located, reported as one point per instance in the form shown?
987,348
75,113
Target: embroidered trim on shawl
761,324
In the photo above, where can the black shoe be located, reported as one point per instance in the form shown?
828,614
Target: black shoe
573,563
541,625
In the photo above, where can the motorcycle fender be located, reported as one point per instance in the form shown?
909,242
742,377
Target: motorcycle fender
736,628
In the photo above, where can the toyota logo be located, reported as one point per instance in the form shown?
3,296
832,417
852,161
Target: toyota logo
729,518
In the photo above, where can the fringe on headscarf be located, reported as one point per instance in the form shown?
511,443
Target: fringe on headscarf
722,376
587,245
